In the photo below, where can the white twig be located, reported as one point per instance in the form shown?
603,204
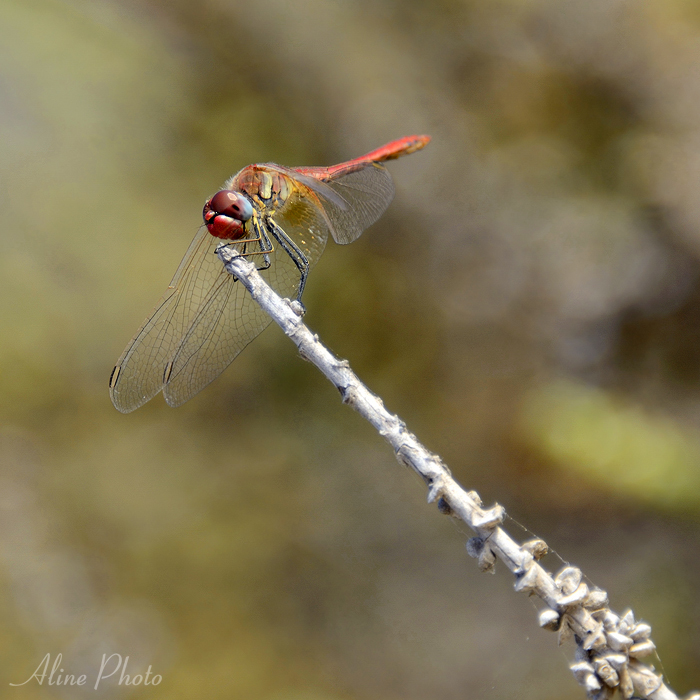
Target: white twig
609,646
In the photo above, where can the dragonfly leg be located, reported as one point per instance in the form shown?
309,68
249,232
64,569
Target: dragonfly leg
266,246
263,241
293,251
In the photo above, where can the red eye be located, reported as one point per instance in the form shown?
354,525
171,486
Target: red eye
231,204
226,213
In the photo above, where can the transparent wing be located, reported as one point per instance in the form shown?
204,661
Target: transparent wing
224,325
138,375
229,319
353,195
367,192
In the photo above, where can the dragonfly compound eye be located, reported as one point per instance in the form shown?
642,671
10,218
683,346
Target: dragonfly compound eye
225,214
231,204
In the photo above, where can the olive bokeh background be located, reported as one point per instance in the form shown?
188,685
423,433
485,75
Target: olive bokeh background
529,305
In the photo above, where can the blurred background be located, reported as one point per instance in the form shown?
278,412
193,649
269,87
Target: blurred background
529,305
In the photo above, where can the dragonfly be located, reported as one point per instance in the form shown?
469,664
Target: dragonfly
278,216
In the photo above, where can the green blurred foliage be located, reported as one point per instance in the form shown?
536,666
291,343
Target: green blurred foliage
616,446
530,305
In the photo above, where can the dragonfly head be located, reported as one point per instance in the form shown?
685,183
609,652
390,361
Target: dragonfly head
225,214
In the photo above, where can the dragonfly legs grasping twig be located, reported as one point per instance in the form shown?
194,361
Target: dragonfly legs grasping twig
293,251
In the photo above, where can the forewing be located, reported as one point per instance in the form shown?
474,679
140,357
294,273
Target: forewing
138,375
230,319
225,324
304,222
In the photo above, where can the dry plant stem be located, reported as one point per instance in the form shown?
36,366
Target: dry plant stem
608,645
